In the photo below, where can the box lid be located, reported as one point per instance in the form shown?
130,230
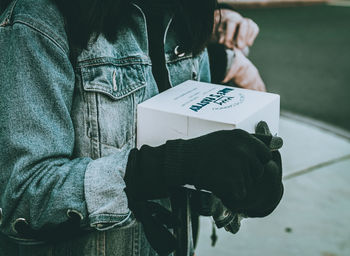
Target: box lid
210,102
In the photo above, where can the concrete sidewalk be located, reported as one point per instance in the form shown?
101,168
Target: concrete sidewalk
314,215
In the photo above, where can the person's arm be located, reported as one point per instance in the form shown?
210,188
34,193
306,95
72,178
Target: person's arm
232,36
41,184
204,74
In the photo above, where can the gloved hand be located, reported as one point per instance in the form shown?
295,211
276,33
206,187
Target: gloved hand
268,190
225,162
228,163
262,200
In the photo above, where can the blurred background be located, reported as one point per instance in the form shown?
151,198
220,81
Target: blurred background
303,54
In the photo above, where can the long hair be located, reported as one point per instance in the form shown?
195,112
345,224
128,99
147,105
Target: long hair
87,17
194,23
194,20
3,5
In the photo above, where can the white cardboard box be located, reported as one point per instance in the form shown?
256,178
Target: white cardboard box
192,109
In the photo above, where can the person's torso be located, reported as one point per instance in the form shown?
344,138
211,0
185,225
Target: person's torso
111,78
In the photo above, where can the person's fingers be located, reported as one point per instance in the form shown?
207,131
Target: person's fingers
262,151
221,30
229,34
276,143
244,73
246,78
218,27
217,18
270,192
264,138
255,83
259,84
221,38
236,68
276,157
230,75
262,128
273,142
242,35
261,212
252,146
253,32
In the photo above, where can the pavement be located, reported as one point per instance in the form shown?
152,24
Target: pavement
302,53
313,218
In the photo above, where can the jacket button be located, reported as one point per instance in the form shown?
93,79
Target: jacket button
73,214
194,75
178,53
20,226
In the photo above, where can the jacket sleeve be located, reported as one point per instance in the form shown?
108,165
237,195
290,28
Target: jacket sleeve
40,183
204,67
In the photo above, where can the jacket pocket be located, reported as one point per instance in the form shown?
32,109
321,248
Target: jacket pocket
111,92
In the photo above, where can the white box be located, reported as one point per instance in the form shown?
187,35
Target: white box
192,109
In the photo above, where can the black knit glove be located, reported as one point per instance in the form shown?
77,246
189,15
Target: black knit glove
228,163
260,201
269,190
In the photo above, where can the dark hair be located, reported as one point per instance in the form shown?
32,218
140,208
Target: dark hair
3,5
193,19
87,17
194,22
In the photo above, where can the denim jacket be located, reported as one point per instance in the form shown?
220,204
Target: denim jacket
66,129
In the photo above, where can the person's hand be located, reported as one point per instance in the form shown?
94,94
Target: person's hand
234,165
244,74
269,190
233,30
224,162
228,163
259,201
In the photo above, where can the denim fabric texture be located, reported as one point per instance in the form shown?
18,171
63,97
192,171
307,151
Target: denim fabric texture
66,131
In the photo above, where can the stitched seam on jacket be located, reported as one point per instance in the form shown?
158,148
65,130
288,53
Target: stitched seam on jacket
120,223
179,59
114,146
44,34
110,215
136,60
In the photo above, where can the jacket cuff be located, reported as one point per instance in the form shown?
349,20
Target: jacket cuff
103,222
104,185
